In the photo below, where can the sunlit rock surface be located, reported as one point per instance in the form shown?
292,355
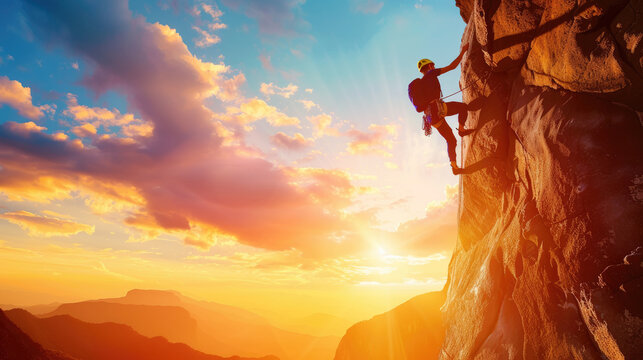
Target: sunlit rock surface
548,263
412,330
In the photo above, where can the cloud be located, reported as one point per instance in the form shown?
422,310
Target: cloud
207,35
322,125
213,11
18,97
137,130
231,88
297,53
375,141
37,225
92,118
295,142
85,130
275,17
367,6
437,231
308,104
256,109
85,113
272,89
186,175
206,39
265,62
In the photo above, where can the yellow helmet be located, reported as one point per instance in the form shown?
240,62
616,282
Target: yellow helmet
423,62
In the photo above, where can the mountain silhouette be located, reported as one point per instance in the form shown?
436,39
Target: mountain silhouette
172,322
106,341
16,345
411,331
206,326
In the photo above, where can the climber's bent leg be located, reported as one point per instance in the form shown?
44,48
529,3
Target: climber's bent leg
454,107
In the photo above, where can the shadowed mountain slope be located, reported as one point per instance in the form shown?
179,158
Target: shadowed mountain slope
16,345
206,326
106,341
172,322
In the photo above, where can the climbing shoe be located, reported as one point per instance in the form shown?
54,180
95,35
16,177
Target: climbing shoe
455,168
464,132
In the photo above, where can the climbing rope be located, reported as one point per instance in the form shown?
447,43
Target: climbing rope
469,85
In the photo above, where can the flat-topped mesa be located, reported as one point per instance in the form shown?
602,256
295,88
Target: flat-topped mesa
552,202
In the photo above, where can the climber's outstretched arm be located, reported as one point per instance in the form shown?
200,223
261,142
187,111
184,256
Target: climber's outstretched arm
455,62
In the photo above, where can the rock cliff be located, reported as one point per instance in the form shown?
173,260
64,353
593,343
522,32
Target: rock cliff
548,259
548,262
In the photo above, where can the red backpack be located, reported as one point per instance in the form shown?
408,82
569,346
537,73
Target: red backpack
423,91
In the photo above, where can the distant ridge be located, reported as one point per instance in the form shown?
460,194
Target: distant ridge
16,345
106,341
205,326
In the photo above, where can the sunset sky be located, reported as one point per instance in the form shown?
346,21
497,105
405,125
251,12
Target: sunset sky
262,154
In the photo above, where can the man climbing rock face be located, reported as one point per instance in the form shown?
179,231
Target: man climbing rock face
425,95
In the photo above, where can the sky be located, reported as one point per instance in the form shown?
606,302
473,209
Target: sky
262,154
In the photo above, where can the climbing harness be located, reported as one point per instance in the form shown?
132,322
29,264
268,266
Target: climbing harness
427,119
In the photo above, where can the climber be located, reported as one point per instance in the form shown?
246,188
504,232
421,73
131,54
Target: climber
425,95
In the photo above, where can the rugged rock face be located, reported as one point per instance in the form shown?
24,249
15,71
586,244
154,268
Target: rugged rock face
548,263
548,260
411,331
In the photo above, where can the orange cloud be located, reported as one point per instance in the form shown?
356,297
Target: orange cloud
436,231
93,117
186,173
231,88
85,130
322,125
272,89
256,109
308,104
84,113
376,141
295,142
37,225
18,97
206,39
137,130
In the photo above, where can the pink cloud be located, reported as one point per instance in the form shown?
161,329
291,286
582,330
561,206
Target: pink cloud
38,225
185,176
375,141
266,63
272,89
295,142
437,231
367,6
322,125
275,17
256,109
